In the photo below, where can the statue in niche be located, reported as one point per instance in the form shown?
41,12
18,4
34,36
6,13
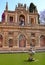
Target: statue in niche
22,22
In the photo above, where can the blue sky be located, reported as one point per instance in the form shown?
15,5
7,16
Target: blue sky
12,3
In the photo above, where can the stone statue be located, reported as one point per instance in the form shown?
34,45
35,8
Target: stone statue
31,54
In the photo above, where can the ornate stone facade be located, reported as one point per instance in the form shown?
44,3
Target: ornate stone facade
20,28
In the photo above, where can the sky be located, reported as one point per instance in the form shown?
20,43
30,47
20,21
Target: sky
12,3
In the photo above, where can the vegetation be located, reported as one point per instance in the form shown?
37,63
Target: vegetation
38,19
42,17
32,8
21,59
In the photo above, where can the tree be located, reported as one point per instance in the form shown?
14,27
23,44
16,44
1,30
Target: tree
32,8
38,19
42,17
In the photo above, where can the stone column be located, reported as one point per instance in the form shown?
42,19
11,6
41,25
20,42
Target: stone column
5,40
36,19
37,39
6,17
27,18
28,40
16,18
15,40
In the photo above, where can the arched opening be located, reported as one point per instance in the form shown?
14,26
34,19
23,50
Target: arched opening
10,42
22,20
1,40
11,19
33,42
32,21
42,40
22,41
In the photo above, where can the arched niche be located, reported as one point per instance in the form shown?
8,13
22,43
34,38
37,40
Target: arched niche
22,20
1,40
10,42
42,40
33,42
22,41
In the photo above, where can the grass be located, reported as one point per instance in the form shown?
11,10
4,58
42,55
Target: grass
21,59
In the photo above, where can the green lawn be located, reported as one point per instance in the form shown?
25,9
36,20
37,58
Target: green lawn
21,59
